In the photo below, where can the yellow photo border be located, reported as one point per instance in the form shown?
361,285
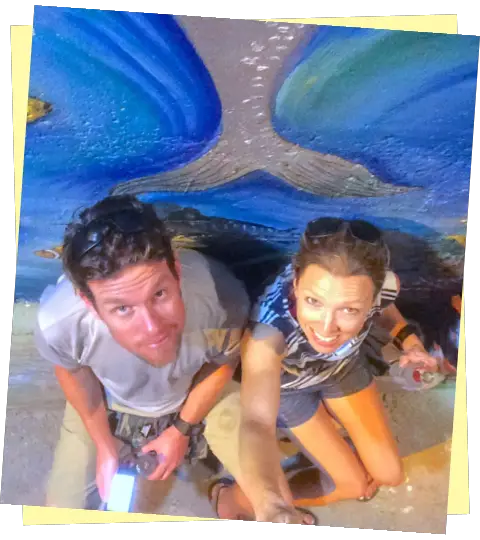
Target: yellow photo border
458,497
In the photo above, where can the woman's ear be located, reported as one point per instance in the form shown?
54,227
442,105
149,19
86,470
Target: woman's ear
296,277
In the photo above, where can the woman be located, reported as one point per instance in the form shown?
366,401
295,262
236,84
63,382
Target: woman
304,370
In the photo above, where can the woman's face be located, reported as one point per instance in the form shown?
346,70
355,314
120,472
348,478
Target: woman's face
331,309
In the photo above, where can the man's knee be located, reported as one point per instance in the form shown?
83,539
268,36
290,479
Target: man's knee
224,419
222,432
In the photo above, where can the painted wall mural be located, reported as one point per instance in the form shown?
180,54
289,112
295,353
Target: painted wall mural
240,132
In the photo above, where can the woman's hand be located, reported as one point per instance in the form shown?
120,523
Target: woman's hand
280,512
419,357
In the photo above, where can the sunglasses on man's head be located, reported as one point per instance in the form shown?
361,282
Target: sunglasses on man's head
361,230
123,221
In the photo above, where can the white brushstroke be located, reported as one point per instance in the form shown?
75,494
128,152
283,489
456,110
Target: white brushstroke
257,47
249,60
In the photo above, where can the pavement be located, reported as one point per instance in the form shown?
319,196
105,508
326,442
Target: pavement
422,423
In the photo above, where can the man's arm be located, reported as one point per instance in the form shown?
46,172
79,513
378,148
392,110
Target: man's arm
208,385
84,392
172,445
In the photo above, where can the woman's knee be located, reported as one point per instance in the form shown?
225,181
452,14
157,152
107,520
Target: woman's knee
392,475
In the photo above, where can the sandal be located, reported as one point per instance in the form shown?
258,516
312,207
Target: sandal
222,483
227,482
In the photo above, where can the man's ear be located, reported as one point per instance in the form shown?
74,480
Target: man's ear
88,302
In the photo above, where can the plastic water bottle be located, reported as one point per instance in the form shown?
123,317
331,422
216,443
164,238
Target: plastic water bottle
413,378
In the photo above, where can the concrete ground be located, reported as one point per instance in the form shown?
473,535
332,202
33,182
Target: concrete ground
422,424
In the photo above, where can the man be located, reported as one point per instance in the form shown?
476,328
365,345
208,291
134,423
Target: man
136,328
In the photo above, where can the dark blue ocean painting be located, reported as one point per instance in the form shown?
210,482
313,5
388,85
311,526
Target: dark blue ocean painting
374,124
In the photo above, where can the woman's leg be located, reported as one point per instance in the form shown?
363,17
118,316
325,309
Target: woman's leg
341,473
320,440
364,417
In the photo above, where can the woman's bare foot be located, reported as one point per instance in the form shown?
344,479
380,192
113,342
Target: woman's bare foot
371,490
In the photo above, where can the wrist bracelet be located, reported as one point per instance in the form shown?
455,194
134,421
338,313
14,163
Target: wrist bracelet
403,334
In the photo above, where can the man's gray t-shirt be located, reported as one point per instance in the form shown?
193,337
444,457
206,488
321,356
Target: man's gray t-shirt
217,308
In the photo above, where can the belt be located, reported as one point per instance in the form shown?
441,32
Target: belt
136,431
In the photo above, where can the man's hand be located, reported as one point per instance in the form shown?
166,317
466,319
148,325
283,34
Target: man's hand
107,466
170,447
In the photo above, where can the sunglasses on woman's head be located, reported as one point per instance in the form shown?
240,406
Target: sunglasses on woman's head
123,221
361,230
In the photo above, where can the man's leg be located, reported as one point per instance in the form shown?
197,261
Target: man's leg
222,429
71,482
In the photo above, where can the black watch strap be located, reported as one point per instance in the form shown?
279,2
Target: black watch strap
403,334
185,428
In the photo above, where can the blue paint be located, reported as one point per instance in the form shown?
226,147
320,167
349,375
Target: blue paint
132,98
400,103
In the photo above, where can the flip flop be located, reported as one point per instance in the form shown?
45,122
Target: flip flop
227,482
222,483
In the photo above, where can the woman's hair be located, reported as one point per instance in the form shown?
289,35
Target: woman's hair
343,253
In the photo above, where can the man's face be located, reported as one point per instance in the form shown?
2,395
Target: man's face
143,308
330,309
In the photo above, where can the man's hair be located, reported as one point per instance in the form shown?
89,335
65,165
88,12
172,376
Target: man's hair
114,233
342,254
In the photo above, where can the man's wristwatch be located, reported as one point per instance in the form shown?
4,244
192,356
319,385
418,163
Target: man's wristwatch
185,428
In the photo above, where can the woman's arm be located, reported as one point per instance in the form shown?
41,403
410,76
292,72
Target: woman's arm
414,352
392,320
264,481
